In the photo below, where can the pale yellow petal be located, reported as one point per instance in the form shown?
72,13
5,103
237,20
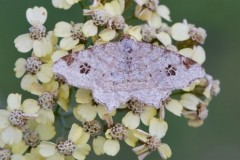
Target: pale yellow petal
141,135
164,12
61,4
147,115
77,115
58,54
165,151
131,140
19,148
107,34
83,139
111,147
42,48
175,107
63,29
14,101
89,29
4,122
11,135
68,43
45,74
190,101
155,20
131,120
23,43
187,52
71,2
145,14
164,38
81,151
45,116
158,128
87,111
78,47
17,157
20,67
199,54
27,81
101,110
56,156
180,32
36,16
113,8
47,149
195,123
98,145
135,32
45,131
84,96
52,38
75,133
30,106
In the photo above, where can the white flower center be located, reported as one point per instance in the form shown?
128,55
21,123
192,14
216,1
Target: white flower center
77,32
148,33
118,132
31,138
116,22
136,106
33,65
47,100
152,143
37,32
17,118
100,17
5,154
197,34
92,127
66,148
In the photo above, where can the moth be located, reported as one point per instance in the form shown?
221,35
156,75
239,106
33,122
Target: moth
117,72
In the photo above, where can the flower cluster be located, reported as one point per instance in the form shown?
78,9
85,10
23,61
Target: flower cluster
27,129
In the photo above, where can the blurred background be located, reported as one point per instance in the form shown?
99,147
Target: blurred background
219,137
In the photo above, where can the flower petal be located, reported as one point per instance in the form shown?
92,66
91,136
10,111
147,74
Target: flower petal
111,147
165,151
87,111
36,16
45,116
20,68
23,43
42,48
84,96
164,12
30,106
19,148
4,122
81,151
62,4
175,107
68,43
199,54
107,34
98,145
45,74
14,101
45,131
164,38
47,149
158,128
89,29
155,20
147,115
58,54
75,133
131,140
190,101
113,8
180,32
11,135
63,29
101,110
131,120
27,81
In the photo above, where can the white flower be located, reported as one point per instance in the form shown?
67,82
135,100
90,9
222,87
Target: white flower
190,101
64,4
180,31
75,146
197,54
37,39
13,120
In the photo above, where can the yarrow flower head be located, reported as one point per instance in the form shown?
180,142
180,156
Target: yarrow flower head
27,129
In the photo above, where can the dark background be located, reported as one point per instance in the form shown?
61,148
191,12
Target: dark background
219,137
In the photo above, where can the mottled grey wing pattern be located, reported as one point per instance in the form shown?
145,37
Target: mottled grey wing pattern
119,71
